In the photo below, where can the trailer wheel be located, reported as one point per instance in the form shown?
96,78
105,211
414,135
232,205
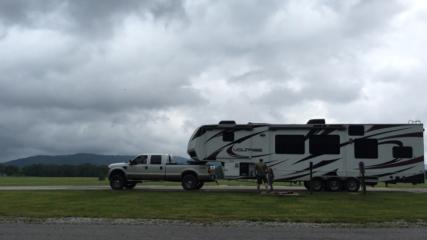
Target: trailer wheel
352,185
189,182
334,184
307,185
200,185
117,181
317,184
130,185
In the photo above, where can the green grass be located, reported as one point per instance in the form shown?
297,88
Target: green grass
82,181
50,181
211,206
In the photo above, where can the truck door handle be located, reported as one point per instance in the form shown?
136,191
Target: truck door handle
161,168
146,167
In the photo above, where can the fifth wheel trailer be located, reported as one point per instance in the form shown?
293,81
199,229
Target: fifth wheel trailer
390,152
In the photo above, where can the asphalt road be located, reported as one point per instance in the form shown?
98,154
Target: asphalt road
219,188
104,231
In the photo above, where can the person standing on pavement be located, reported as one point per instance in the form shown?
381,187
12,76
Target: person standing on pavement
260,169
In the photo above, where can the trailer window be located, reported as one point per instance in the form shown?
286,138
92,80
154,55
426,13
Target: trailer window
156,159
228,136
366,148
324,144
402,152
290,144
356,130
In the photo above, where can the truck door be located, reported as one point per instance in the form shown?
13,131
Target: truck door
156,168
138,167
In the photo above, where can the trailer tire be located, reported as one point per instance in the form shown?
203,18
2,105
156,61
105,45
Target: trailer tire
189,182
352,185
334,184
117,181
317,184
307,185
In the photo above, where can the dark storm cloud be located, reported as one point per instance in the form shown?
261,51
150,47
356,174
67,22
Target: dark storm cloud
319,43
126,77
84,17
104,95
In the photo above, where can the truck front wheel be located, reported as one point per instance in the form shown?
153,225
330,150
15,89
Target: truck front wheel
189,182
117,181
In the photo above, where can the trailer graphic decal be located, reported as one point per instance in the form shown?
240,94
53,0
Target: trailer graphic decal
318,165
415,134
382,126
215,153
391,173
391,152
404,163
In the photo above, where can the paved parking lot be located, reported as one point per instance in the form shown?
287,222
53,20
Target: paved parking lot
247,231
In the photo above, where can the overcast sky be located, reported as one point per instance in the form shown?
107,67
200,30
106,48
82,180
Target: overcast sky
126,77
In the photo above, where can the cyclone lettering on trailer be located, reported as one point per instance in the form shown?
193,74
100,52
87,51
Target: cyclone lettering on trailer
232,151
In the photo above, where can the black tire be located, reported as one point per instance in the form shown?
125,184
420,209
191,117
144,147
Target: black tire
117,181
189,182
130,185
352,185
200,185
317,185
307,185
334,184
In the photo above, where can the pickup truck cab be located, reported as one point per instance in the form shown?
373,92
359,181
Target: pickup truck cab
158,167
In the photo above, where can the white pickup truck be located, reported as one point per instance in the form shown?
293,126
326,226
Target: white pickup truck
159,167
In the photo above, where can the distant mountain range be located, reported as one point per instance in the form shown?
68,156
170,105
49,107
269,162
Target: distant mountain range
77,159
81,158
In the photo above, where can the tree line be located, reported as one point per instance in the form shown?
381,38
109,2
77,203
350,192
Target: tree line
51,170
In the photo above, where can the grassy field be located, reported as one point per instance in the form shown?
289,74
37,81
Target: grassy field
82,181
50,181
211,207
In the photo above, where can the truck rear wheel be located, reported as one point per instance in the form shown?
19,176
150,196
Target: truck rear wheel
189,182
130,185
117,181
200,185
